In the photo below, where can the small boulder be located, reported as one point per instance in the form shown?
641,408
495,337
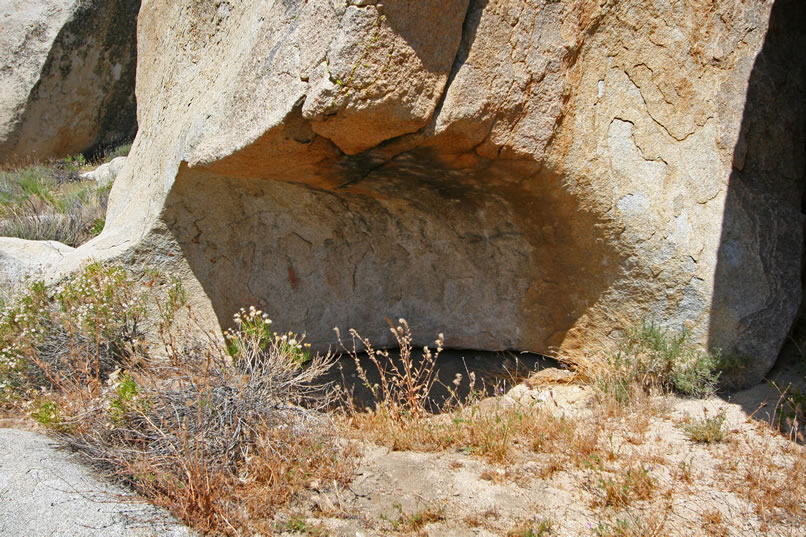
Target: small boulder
105,173
22,260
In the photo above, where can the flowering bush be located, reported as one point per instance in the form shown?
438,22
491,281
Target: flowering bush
253,337
217,434
74,335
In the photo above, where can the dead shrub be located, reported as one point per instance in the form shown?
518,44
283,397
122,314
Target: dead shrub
221,436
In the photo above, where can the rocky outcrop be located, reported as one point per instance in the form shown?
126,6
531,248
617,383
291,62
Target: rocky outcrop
23,261
67,72
528,176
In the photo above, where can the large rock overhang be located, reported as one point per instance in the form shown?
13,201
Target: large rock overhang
512,176
496,254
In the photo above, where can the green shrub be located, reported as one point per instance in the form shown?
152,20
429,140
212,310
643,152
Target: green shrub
125,390
73,335
47,413
650,358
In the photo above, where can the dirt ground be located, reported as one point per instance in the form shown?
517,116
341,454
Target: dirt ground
644,477
626,473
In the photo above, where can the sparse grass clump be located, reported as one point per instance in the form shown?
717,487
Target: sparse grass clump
790,412
774,480
413,522
52,202
540,528
116,151
650,359
627,485
705,430
405,384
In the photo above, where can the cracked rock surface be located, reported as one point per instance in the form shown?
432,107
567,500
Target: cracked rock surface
45,491
517,175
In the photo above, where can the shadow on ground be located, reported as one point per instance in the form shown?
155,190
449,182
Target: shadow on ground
494,373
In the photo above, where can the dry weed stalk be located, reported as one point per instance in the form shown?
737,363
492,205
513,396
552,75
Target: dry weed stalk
404,385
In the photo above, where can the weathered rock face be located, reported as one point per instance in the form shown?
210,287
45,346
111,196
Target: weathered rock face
516,175
66,76
23,260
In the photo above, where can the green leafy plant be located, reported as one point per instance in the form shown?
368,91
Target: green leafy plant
125,389
47,413
121,150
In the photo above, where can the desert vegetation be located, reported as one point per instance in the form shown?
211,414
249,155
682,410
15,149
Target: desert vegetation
51,201
238,435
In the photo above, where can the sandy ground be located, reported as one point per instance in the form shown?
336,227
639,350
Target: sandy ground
749,484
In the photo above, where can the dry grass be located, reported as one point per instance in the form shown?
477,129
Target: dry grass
477,520
614,452
770,474
494,428
540,528
412,523
712,523
789,416
626,486
52,202
220,436
231,437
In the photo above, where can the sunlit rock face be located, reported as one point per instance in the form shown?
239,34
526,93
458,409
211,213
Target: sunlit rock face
67,71
532,176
